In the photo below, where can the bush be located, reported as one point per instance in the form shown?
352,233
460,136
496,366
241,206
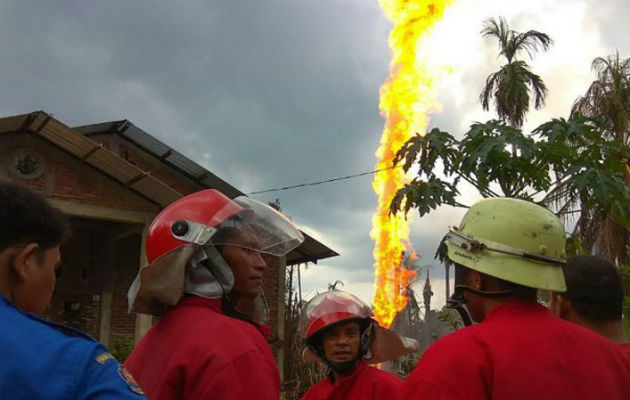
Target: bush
121,346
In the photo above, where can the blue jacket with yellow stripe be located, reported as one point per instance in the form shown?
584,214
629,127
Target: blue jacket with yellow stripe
40,359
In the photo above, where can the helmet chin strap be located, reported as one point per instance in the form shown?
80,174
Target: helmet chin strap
457,300
341,368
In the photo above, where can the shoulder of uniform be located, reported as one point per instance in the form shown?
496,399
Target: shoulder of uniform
454,343
385,375
66,330
319,384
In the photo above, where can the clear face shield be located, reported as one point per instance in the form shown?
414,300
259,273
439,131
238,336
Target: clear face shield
198,267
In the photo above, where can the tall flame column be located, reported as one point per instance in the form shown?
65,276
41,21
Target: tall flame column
406,98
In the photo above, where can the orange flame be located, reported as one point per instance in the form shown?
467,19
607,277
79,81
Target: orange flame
406,98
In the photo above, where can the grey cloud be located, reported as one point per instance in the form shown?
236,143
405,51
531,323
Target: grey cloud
264,94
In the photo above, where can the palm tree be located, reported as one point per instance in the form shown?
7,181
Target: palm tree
510,86
608,97
608,101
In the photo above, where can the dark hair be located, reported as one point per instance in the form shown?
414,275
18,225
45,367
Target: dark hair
593,288
25,217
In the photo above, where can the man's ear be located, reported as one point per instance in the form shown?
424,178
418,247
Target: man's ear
563,307
24,260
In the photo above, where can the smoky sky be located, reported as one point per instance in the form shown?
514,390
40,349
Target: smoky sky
262,93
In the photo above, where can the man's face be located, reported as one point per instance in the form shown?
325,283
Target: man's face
33,294
342,342
246,264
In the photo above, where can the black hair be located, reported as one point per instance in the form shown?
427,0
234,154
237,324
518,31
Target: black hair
593,288
26,217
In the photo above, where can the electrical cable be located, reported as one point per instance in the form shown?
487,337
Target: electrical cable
324,181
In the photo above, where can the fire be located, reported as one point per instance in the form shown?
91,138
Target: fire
406,98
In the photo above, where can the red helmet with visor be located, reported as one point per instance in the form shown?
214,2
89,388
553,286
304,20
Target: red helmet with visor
184,235
331,308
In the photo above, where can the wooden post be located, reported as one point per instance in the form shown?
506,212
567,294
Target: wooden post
107,293
448,285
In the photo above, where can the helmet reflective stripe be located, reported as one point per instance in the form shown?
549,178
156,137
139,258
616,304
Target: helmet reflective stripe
473,245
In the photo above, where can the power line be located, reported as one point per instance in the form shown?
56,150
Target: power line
325,181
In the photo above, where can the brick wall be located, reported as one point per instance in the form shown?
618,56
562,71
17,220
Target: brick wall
67,178
87,260
128,256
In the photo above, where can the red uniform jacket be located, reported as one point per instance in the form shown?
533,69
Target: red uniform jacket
365,383
626,350
196,352
521,351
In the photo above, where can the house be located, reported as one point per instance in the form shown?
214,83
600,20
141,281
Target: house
112,179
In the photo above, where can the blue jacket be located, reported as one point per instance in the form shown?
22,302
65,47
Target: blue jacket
40,359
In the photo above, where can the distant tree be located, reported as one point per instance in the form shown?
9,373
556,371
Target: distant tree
298,376
608,97
275,204
333,286
578,167
591,185
570,158
607,100
510,87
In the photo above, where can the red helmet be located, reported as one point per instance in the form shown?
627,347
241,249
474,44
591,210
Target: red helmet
329,308
378,344
196,218
207,208
185,233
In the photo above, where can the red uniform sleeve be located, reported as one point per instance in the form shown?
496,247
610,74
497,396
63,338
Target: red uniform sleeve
251,376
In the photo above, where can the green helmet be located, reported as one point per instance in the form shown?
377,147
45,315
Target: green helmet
513,240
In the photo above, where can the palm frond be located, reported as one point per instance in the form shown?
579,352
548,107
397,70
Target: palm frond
608,97
487,92
531,41
501,31
539,88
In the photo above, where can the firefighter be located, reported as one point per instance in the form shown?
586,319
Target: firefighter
503,251
205,255
43,359
593,299
339,331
